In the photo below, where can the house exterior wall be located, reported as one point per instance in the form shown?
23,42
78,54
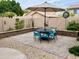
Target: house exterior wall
38,20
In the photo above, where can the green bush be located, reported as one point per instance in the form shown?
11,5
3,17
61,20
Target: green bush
74,26
72,14
9,14
74,50
10,6
19,24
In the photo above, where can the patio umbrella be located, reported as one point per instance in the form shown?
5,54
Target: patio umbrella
45,7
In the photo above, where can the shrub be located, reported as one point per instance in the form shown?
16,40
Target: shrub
17,19
74,50
9,14
19,24
72,14
74,26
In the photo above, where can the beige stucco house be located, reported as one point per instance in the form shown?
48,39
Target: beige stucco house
74,9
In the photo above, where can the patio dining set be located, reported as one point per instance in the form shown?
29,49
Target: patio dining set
45,34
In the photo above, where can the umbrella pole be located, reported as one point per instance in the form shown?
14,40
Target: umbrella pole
45,17
32,22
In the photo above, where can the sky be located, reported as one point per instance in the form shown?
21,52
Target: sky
60,3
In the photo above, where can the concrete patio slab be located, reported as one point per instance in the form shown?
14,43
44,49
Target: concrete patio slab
58,47
8,53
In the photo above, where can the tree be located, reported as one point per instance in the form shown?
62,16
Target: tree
17,8
10,6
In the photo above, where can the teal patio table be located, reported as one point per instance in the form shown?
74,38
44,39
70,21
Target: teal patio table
45,34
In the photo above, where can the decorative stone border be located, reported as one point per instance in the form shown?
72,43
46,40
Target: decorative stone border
67,33
59,32
16,32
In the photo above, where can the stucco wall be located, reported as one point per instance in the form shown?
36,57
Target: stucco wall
58,23
7,23
1,24
10,23
38,20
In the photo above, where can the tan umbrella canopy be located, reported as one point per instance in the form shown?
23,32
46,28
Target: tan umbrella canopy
45,7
